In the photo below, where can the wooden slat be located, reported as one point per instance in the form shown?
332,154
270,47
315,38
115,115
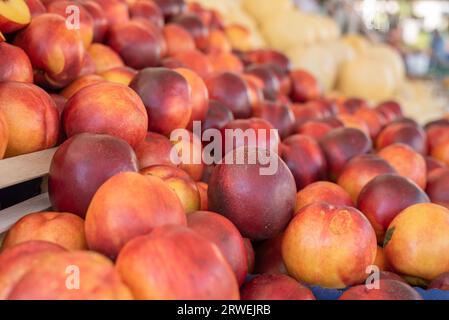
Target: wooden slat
26,167
11,215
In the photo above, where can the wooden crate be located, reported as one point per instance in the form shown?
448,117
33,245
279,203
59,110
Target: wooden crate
16,170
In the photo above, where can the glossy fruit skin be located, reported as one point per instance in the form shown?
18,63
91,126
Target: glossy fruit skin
154,267
417,241
341,145
129,205
407,162
231,90
250,204
340,235
441,282
384,197
66,43
31,117
361,170
62,228
322,191
81,165
388,290
437,187
225,235
17,260
406,133
305,160
107,108
166,96
275,287
18,68
269,257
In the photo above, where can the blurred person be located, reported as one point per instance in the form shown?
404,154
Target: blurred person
439,55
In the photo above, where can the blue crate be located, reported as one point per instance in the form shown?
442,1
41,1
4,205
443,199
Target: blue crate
334,294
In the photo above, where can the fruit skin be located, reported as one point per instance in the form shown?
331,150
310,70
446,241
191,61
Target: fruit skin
384,197
194,60
225,62
381,261
140,45
433,165
224,234
441,151
15,64
31,116
59,59
269,257
126,206
180,182
275,287
199,95
115,11
341,145
36,7
202,189
167,97
261,133
99,19
171,8
250,255
265,73
389,111
148,11
9,26
100,280
17,260
79,84
437,187
417,242
177,39
405,133
251,204
64,229
437,132
121,75
361,170
218,42
388,290
304,86
231,90
280,116
351,121
86,22
270,57
107,108
189,151
339,235
154,267
4,135
304,158
322,191
316,129
217,117
407,162
81,165
193,24
104,57
441,282
154,150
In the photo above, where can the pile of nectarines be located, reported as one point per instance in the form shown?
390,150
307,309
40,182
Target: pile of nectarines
134,94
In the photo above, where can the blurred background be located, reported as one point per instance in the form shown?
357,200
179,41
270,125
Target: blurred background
372,49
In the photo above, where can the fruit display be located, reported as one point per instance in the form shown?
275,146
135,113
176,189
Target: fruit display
184,150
